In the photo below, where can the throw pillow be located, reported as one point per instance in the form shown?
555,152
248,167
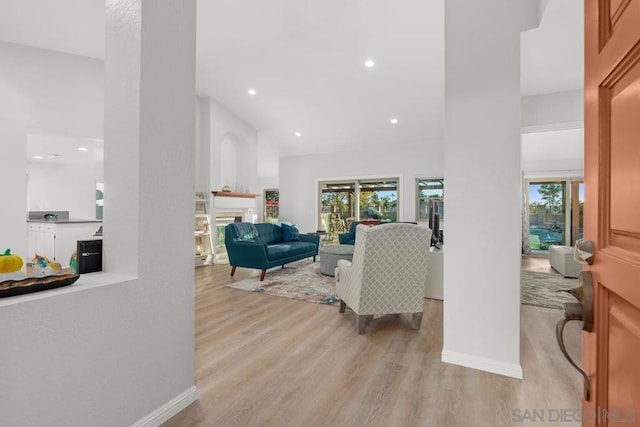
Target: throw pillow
246,231
290,233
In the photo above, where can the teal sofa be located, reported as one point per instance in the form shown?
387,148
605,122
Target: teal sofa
262,246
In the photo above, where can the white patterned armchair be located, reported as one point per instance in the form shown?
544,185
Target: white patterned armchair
387,274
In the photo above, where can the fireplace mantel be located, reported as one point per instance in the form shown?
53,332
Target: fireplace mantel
234,194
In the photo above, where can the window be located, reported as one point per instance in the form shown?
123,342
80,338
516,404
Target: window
577,206
378,200
271,205
555,212
546,214
426,190
99,199
337,206
342,202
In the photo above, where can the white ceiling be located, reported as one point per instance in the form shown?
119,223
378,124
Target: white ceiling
305,60
552,55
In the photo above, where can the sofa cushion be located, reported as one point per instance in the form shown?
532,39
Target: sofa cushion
269,234
289,249
290,233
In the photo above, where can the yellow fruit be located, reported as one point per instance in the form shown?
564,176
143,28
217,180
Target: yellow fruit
10,263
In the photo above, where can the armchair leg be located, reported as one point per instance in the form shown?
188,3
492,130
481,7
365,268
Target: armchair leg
343,306
314,258
233,270
262,275
416,320
361,322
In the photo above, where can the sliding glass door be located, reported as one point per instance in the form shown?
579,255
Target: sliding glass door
337,206
547,214
577,204
342,202
429,190
379,200
555,212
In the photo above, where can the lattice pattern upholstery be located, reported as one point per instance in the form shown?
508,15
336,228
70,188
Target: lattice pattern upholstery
388,271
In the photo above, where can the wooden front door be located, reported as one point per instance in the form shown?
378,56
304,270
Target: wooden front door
611,354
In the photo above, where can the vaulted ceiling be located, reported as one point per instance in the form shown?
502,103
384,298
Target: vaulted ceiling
305,60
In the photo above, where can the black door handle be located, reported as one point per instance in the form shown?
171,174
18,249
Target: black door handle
582,310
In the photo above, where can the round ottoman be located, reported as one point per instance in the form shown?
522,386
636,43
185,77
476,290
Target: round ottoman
329,256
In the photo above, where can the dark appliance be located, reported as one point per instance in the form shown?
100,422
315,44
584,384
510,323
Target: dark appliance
89,256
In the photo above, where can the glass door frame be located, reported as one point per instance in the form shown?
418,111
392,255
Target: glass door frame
574,214
419,219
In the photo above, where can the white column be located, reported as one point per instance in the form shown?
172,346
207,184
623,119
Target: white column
149,132
482,175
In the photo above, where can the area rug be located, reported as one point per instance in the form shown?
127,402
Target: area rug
542,289
303,281
300,280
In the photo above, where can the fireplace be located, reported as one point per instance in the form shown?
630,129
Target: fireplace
230,207
222,220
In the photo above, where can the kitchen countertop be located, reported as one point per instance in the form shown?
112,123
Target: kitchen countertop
66,221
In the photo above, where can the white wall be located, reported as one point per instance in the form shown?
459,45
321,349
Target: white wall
230,132
110,355
268,155
558,152
299,176
553,111
53,91
482,175
13,162
203,148
64,187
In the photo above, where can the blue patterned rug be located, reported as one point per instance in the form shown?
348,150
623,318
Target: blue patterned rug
300,280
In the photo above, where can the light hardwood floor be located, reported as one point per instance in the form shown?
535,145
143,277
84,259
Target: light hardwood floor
269,361
539,264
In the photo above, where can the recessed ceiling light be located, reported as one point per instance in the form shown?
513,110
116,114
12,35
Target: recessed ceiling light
38,157
54,156
369,63
252,92
298,134
83,149
394,121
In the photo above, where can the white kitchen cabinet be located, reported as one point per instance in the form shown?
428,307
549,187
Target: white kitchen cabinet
41,240
31,240
57,241
49,241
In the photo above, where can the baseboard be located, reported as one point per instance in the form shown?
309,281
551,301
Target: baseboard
482,364
169,409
